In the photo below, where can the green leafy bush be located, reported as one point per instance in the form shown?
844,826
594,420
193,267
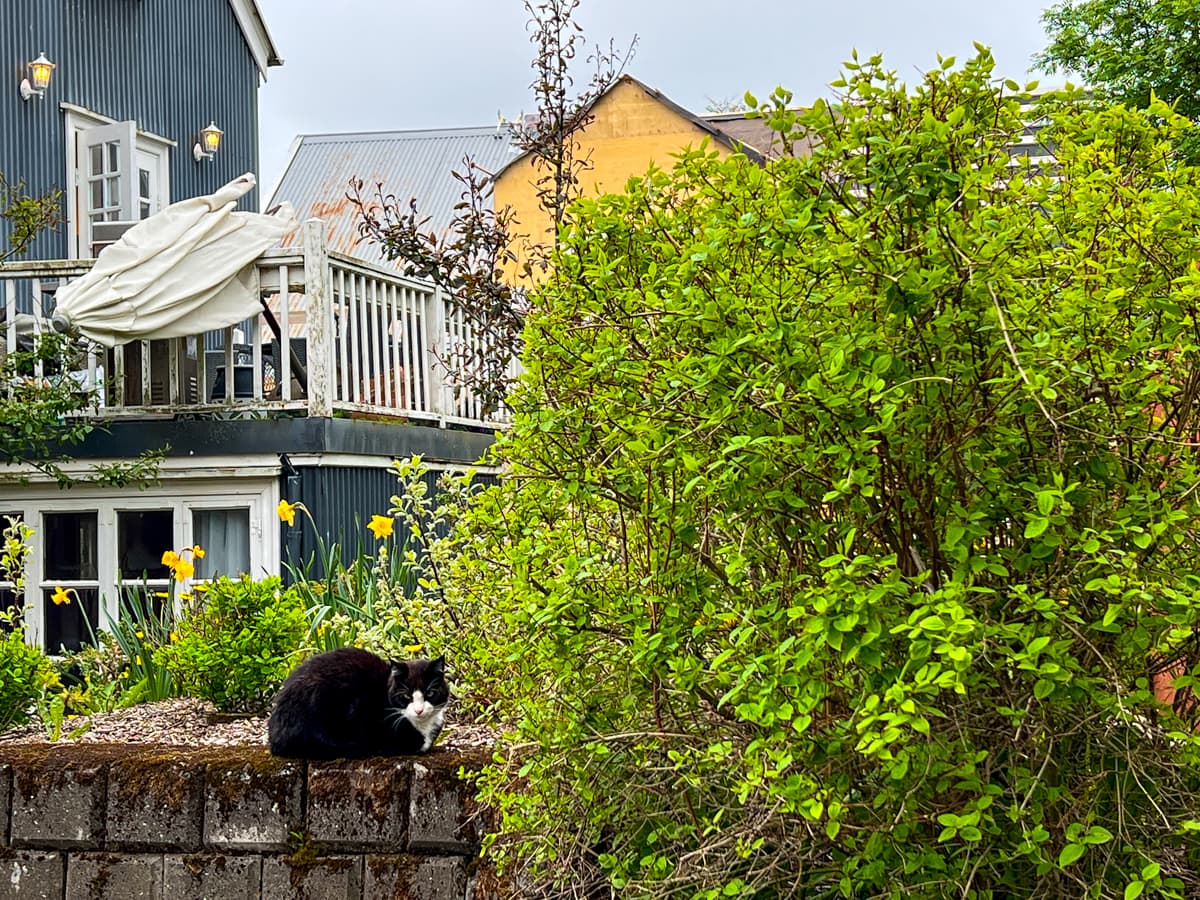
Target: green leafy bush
849,505
25,673
236,644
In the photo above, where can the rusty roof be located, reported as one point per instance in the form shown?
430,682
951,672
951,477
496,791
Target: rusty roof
408,164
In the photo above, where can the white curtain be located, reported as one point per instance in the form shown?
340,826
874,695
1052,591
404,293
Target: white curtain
224,535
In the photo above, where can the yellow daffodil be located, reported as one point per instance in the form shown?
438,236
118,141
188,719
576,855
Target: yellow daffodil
170,558
197,551
161,594
60,596
140,635
186,595
381,526
287,512
184,569
415,648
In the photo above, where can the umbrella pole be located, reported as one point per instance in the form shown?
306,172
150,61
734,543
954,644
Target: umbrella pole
298,367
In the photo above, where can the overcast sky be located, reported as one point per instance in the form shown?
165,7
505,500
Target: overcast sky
377,65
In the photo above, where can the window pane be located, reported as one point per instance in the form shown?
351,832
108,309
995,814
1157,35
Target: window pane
142,538
112,193
224,535
9,601
145,211
97,194
97,159
70,542
147,601
66,625
143,183
114,156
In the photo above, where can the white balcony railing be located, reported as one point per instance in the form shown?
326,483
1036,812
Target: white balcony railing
336,336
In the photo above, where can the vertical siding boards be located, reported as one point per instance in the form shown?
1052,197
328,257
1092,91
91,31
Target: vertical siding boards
29,129
171,65
342,501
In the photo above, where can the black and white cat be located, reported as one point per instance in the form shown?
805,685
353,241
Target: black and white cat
350,703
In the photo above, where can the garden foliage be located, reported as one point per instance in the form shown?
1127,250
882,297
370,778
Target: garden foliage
26,673
850,505
237,643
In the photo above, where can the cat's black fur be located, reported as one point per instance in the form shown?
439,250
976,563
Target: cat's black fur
349,703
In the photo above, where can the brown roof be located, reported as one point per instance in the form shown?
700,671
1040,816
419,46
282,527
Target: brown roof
755,134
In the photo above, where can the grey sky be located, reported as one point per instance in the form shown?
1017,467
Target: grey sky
396,64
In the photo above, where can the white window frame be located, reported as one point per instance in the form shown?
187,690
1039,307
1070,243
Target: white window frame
148,146
258,493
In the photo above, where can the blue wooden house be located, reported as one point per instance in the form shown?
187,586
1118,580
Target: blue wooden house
349,365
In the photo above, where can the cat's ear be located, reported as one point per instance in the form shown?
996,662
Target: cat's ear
400,668
439,664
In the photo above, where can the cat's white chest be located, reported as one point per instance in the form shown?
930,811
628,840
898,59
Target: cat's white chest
426,718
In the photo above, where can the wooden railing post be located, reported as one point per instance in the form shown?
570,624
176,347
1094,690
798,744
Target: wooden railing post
436,354
319,311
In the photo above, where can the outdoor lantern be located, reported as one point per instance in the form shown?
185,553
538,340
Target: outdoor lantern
210,142
39,78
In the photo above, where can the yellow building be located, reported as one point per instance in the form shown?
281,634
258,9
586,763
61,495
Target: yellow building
632,126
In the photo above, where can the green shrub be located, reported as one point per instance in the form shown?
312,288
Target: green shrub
237,643
25,673
848,503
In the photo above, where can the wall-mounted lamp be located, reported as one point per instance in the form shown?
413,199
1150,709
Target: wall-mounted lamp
209,144
39,78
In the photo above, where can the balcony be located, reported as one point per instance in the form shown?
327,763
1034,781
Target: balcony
338,337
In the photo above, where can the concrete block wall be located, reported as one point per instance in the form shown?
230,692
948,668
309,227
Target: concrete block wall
122,822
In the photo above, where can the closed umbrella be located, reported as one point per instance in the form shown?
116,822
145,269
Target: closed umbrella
183,271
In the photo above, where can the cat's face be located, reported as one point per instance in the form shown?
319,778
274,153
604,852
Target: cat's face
418,689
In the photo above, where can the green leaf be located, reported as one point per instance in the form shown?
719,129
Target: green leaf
1134,889
1070,853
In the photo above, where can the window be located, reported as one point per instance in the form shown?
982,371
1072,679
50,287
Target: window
120,176
101,544
143,536
70,548
225,536
108,192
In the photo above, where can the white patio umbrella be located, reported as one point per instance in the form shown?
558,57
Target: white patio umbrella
183,271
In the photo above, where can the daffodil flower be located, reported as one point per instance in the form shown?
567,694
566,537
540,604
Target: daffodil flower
170,559
286,512
381,526
184,569
60,595
415,648
197,551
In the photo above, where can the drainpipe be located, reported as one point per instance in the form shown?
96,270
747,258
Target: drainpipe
293,537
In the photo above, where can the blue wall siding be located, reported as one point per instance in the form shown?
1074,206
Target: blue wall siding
170,65
342,501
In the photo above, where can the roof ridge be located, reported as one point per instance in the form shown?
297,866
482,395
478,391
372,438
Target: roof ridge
403,133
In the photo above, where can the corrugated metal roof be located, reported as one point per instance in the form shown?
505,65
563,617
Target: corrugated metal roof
408,164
